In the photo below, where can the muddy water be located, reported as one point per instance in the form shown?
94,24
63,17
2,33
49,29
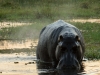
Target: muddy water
23,64
19,59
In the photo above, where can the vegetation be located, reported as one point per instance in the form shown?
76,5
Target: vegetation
44,12
32,10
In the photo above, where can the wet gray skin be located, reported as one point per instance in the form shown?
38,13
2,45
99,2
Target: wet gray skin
61,44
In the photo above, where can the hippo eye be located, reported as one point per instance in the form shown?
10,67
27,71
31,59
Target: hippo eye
75,49
63,49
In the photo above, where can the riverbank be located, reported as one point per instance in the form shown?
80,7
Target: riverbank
14,24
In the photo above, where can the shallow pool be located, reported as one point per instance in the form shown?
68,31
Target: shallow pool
24,64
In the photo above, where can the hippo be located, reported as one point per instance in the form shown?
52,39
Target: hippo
61,44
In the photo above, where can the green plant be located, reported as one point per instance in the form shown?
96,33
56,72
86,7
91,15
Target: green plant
85,5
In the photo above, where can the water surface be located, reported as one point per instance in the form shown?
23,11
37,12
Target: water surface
18,60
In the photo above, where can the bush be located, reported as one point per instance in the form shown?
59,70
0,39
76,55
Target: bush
85,5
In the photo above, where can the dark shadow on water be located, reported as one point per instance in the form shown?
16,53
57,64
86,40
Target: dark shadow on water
45,69
61,72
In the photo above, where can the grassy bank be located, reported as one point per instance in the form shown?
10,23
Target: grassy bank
32,10
90,31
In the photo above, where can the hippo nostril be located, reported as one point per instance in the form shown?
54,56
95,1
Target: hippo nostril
68,67
73,66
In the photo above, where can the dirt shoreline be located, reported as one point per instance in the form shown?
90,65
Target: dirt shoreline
14,24
85,20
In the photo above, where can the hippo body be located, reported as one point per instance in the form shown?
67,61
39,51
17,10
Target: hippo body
61,44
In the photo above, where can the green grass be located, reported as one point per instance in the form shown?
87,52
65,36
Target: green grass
31,10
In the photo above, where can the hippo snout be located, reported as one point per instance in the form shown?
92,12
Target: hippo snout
67,66
68,63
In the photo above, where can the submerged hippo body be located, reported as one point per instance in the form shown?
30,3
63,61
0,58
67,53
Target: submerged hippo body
62,44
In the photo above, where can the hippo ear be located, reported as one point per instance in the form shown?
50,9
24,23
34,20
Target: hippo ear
60,38
77,38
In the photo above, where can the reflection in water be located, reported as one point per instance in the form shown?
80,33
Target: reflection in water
60,72
19,63
45,69
68,72
91,68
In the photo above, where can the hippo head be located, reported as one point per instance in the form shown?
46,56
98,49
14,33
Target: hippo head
69,52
